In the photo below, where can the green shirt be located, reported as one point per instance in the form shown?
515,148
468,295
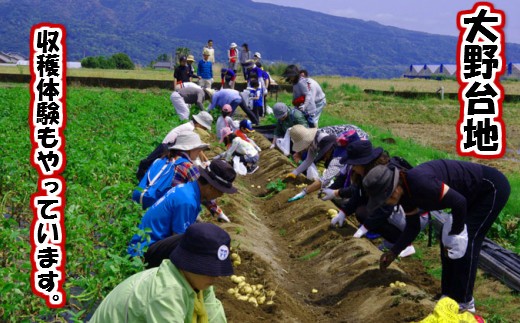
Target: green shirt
296,118
160,294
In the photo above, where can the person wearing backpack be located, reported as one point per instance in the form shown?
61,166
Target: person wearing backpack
286,118
200,124
172,214
361,158
159,178
175,168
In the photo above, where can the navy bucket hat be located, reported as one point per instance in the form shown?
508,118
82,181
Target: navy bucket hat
204,250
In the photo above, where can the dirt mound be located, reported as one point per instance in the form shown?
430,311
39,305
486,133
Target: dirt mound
320,274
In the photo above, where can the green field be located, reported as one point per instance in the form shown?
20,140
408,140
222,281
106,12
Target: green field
109,131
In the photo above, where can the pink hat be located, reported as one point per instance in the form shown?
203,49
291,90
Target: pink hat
226,131
227,108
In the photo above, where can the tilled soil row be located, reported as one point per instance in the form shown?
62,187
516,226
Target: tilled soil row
319,274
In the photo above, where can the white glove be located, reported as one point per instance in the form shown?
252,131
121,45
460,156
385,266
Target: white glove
338,219
329,194
222,217
298,196
272,146
455,244
360,232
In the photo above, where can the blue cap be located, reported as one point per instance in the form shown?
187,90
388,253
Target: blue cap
246,124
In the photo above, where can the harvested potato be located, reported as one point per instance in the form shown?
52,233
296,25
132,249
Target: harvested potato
253,301
314,291
269,303
260,300
271,293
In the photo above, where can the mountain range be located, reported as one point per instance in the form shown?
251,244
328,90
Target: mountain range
144,29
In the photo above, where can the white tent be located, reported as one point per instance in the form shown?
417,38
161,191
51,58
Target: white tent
448,69
513,70
430,69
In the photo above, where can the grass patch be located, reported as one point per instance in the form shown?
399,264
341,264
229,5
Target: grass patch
310,255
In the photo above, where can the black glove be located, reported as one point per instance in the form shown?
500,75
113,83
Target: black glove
386,259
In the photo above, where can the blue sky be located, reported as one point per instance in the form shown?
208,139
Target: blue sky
435,16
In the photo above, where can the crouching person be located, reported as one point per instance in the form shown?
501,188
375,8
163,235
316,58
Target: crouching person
237,146
180,289
177,210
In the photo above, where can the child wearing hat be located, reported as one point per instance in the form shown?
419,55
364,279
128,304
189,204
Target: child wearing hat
236,146
246,127
178,209
225,120
180,288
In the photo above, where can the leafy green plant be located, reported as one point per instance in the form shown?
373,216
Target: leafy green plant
276,185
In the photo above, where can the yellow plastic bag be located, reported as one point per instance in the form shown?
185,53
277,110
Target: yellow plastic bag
447,310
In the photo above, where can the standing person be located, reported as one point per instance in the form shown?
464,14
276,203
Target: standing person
234,99
210,50
256,98
286,118
189,61
475,194
180,289
245,57
307,88
182,73
205,71
178,209
233,57
257,57
227,78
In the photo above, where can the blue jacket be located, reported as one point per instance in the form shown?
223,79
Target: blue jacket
173,213
205,69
